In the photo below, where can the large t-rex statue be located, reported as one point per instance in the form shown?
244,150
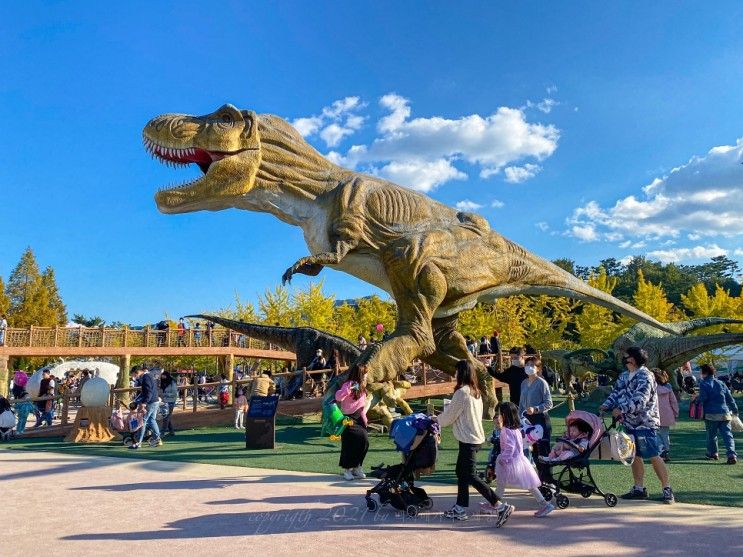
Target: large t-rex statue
434,260
665,351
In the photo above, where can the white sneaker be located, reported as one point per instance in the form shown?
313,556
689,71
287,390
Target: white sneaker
358,473
348,475
487,508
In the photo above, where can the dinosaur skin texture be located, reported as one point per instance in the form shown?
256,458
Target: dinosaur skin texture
433,260
665,351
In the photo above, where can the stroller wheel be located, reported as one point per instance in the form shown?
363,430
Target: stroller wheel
412,510
562,501
371,505
427,504
586,493
610,499
546,492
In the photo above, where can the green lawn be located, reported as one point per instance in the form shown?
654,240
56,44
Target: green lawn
300,448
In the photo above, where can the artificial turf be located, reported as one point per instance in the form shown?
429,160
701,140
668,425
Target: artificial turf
300,447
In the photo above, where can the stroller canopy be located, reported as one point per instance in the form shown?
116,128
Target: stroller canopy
596,423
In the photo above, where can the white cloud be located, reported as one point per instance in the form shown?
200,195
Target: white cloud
702,198
423,153
467,205
627,259
585,233
625,244
334,123
421,175
518,174
738,251
497,204
683,254
543,226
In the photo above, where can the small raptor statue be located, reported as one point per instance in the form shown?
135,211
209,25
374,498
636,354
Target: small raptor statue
434,260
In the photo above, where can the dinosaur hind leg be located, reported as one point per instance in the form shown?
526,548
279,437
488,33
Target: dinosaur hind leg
450,348
413,336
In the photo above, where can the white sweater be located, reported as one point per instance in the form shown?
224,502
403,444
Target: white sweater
464,414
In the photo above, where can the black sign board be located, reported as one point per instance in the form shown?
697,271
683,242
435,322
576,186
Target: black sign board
260,423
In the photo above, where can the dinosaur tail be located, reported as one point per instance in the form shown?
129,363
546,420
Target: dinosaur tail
530,274
675,351
282,336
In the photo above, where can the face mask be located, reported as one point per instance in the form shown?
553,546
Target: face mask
530,370
515,363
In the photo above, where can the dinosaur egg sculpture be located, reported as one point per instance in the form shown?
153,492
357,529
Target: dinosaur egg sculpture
95,392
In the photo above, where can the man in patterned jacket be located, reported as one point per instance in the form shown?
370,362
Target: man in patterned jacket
634,401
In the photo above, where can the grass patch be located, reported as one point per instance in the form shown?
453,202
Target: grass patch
300,448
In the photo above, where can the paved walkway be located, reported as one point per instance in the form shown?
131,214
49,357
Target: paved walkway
75,505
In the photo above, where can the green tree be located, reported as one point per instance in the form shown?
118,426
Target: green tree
546,319
94,321
372,311
4,299
276,308
56,304
651,298
313,308
21,284
597,326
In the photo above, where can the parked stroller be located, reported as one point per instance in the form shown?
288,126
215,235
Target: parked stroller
575,475
416,436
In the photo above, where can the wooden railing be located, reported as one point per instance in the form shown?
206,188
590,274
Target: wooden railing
102,337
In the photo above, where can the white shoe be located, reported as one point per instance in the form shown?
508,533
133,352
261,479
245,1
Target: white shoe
348,475
358,473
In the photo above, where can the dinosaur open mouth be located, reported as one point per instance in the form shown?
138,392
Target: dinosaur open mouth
175,156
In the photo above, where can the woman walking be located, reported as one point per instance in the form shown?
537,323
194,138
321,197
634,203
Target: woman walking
719,407
170,395
668,410
464,414
354,440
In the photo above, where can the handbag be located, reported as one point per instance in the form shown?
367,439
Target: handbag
696,410
622,447
735,424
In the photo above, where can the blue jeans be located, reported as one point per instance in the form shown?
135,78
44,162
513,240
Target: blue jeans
167,423
722,429
150,421
664,436
646,442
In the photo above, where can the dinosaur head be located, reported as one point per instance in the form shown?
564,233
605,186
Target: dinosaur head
225,145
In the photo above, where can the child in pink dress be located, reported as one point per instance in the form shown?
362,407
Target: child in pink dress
512,469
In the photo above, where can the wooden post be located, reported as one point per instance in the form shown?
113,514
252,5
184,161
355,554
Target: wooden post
56,335
79,337
65,407
146,336
30,335
122,381
4,375
425,373
195,393
126,335
229,364
571,402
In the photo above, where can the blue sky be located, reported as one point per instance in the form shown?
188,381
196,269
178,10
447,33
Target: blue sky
581,130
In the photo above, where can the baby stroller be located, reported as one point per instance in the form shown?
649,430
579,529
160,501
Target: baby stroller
575,474
416,437
128,426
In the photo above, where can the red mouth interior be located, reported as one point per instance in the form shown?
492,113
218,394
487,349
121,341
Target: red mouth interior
196,155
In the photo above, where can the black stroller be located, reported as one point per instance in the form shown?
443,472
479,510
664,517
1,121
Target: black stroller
416,436
575,475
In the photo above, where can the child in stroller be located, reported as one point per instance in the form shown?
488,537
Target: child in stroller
127,425
416,436
575,473
573,444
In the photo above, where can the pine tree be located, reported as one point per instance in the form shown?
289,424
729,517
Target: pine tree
55,300
4,299
21,285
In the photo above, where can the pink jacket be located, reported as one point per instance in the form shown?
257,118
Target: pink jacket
668,406
350,405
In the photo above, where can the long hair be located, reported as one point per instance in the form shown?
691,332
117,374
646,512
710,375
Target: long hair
165,379
356,374
466,376
509,413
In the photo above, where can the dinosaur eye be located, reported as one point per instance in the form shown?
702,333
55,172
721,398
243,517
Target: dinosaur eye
226,118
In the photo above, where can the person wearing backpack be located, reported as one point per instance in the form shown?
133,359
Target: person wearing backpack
719,408
634,401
